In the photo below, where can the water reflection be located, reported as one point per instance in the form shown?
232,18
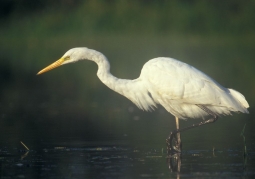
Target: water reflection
174,162
122,161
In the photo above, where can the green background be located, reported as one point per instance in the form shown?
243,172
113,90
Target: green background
217,37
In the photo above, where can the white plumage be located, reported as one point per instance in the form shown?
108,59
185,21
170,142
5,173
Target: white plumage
175,85
179,87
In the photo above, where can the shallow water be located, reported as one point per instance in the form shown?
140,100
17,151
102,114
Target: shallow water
91,160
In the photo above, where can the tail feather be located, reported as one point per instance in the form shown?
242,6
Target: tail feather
241,99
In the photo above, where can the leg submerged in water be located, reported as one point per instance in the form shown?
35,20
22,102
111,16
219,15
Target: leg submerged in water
177,146
176,133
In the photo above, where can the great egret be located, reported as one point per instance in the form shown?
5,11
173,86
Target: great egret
181,89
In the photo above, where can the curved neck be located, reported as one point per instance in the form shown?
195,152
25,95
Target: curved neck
104,73
134,90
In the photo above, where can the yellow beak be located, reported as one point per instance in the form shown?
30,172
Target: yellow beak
51,66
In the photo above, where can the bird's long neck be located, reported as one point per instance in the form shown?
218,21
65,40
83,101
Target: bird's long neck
104,73
134,90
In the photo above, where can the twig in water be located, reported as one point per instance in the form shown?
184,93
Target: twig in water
24,145
245,150
242,134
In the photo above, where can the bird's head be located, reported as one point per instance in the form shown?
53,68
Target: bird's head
72,55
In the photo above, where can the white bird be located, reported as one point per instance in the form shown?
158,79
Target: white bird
181,89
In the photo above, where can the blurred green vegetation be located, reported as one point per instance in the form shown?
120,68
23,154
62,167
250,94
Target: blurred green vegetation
144,16
217,37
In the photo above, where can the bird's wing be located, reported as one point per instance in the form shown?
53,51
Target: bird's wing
181,83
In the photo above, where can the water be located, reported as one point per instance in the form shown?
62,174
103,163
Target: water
112,160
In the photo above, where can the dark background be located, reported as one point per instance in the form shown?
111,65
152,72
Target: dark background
71,104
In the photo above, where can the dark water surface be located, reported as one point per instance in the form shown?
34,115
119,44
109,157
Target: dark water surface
115,159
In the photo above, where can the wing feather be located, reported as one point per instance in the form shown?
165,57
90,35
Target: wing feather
175,85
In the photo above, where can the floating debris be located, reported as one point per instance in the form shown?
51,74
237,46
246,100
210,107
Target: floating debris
59,148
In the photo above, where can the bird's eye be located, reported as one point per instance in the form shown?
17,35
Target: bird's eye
67,58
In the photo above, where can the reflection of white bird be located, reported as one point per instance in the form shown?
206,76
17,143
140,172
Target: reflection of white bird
181,89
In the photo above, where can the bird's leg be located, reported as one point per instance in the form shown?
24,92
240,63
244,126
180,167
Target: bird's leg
176,148
174,163
177,136
173,134
169,141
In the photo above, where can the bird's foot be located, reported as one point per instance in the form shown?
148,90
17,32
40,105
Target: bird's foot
173,148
